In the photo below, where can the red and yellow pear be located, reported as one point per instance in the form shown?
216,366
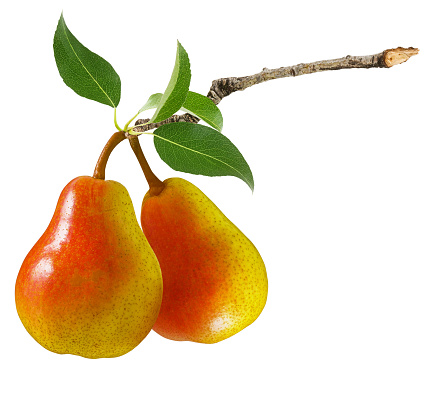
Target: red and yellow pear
91,285
215,281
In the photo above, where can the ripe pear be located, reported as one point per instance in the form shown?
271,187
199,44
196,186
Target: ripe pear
91,286
215,281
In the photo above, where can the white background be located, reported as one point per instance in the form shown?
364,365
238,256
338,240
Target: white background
342,212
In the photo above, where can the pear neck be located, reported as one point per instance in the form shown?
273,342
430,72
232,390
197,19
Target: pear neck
115,139
156,186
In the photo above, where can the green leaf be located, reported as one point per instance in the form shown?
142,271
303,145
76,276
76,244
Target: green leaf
152,102
204,108
85,72
177,89
197,149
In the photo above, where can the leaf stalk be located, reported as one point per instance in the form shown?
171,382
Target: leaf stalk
115,120
130,121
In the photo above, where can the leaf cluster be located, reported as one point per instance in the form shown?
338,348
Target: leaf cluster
186,147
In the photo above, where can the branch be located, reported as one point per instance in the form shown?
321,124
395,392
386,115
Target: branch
222,88
186,117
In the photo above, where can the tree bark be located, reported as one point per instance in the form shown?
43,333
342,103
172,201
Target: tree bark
223,87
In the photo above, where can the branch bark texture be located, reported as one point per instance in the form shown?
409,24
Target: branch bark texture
222,88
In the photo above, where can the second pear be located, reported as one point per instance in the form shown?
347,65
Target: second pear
215,281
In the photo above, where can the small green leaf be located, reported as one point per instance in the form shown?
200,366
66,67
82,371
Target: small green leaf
204,108
85,72
197,149
177,89
152,102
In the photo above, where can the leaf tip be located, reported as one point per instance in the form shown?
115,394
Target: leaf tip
251,185
181,48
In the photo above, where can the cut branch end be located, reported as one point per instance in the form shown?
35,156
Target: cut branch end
396,56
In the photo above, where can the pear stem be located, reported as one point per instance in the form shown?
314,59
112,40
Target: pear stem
115,139
155,184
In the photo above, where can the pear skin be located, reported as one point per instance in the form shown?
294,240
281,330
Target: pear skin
215,281
91,286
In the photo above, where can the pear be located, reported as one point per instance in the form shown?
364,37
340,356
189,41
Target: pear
215,281
91,285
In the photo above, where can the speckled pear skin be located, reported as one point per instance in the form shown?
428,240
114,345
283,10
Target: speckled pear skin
215,281
91,286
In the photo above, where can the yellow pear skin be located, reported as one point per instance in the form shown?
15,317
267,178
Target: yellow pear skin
215,281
